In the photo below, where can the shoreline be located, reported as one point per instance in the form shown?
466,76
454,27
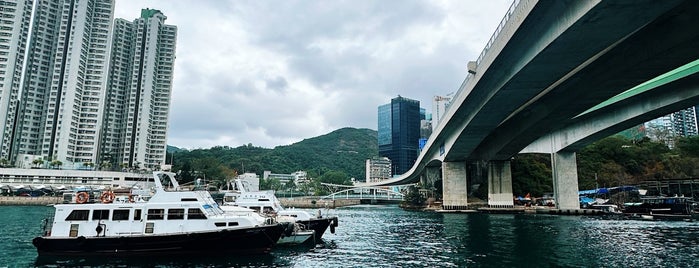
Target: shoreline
302,202
30,200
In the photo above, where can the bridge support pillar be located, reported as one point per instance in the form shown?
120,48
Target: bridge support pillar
500,185
565,180
454,186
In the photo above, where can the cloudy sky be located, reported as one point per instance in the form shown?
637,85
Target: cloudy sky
273,73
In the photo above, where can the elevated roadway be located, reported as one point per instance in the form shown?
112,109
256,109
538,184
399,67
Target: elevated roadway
548,62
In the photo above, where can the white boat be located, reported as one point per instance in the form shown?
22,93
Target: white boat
169,222
266,202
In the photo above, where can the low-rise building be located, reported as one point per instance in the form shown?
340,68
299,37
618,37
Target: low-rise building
64,179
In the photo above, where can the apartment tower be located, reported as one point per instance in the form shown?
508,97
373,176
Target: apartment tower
139,91
75,92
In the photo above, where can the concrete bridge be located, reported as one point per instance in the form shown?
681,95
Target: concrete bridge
554,70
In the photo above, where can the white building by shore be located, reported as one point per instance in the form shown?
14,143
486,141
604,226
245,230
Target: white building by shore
70,179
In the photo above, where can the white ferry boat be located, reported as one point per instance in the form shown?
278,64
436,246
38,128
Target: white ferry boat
164,223
266,202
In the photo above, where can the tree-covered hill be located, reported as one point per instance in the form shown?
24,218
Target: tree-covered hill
344,150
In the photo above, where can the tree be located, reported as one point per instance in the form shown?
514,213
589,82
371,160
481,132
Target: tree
335,177
88,165
689,146
105,165
56,164
413,197
38,162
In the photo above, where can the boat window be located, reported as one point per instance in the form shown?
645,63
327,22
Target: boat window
234,223
149,227
220,224
73,230
175,214
188,199
78,215
263,199
137,215
156,214
100,214
195,214
120,215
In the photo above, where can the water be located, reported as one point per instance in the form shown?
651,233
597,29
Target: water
386,236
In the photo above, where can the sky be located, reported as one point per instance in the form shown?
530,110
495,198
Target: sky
271,73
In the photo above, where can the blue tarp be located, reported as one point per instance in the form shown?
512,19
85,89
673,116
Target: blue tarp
584,199
608,190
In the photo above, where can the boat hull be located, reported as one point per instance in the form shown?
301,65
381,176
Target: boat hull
258,240
320,225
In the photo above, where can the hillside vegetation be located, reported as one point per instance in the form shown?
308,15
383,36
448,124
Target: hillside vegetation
344,150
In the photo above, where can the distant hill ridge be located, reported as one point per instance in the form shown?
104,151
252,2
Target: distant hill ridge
344,150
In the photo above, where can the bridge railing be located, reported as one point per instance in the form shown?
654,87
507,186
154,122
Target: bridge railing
495,35
365,193
491,41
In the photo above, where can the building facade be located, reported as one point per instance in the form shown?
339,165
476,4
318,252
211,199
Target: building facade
684,122
439,108
140,87
378,169
59,103
399,133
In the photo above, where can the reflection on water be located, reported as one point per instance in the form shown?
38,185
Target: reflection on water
386,236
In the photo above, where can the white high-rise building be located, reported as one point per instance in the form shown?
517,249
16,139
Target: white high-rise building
439,107
65,97
139,92
15,17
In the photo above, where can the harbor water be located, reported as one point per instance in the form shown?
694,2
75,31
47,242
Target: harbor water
387,236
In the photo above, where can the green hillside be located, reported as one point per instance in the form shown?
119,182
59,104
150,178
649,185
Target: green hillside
344,150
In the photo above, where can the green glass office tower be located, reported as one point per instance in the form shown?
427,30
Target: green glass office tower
399,133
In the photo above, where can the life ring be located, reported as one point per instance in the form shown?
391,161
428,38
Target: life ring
131,198
82,197
107,197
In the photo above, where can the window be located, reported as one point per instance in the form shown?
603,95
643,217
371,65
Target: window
73,230
78,215
100,214
233,223
220,224
149,227
156,214
137,215
175,214
120,215
195,214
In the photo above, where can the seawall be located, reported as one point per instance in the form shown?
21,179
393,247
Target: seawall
286,202
29,201
315,203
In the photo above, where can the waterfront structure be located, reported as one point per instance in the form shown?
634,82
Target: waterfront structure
74,92
399,133
378,169
70,179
